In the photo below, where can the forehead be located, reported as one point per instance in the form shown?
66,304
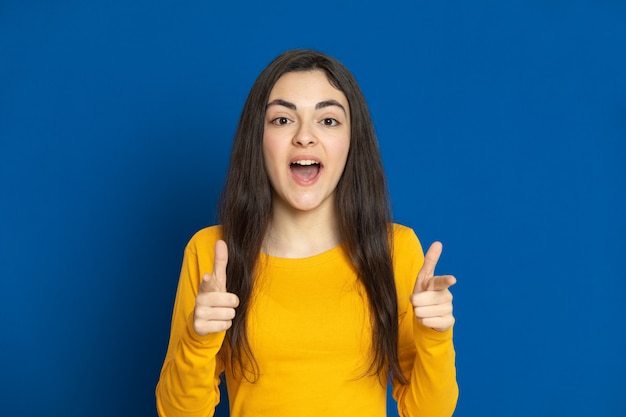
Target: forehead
306,86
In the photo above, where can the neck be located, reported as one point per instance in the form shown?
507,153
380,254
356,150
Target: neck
301,234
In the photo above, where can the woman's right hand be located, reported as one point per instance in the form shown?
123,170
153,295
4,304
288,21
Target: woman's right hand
215,307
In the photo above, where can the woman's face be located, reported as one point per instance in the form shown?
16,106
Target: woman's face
306,140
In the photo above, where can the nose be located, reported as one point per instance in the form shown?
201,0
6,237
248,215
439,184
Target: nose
304,136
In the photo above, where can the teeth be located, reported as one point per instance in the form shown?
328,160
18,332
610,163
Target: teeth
306,162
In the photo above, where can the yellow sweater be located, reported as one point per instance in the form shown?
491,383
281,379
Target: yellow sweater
310,332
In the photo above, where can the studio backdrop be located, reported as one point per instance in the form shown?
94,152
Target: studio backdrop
502,127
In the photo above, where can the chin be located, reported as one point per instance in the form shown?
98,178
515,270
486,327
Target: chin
308,205
305,207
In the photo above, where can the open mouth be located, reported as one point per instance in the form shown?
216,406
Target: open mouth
305,170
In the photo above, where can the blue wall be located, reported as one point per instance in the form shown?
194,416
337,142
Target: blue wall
503,130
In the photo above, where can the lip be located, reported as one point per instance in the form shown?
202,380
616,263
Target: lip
299,180
305,157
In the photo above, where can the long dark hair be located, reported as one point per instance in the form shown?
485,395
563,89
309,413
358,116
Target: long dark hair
362,207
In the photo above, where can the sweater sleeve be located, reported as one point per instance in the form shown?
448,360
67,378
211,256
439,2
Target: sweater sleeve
427,356
189,382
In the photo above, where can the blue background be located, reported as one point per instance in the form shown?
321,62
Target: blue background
503,131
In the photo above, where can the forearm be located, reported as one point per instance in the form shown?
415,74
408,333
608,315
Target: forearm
189,381
432,389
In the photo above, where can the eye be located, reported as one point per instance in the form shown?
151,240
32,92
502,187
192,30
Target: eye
280,121
330,122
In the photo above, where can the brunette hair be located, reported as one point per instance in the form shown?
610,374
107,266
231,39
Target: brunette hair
362,207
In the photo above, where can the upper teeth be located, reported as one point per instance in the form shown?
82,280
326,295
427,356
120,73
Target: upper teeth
306,162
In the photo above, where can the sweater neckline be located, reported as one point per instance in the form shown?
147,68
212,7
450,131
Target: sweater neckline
318,259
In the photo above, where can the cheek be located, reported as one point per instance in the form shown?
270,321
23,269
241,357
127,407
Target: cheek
271,143
341,150
270,158
268,150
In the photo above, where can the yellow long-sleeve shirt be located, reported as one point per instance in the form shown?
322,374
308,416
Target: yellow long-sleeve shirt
309,330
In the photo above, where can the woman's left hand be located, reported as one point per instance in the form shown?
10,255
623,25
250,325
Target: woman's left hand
431,298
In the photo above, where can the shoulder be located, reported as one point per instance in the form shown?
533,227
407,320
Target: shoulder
203,240
408,258
405,241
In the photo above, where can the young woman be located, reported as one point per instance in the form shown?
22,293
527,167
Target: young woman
307,296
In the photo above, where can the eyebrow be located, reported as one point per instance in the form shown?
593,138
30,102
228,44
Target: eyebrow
328,103
320,105
280,102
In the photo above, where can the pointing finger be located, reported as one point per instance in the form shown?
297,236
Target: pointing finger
219,264
216,281
428,268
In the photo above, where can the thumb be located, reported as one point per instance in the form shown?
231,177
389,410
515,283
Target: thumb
427,272
216,281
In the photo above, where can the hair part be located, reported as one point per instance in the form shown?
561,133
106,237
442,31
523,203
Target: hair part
362,208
